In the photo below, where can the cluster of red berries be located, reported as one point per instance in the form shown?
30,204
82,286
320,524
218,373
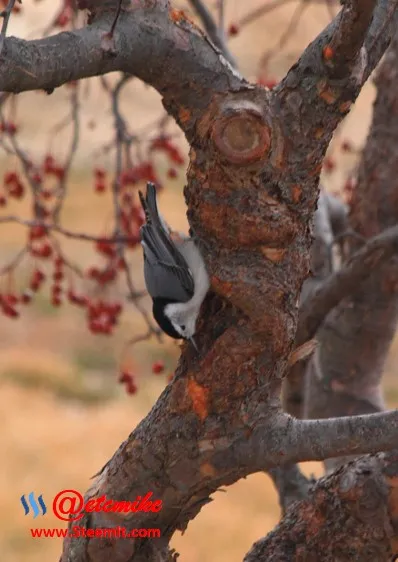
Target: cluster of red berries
39,246
64,16
13,186
9,301
127,377
164,144
102,316
8,127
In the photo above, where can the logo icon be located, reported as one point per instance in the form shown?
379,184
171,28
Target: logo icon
33,504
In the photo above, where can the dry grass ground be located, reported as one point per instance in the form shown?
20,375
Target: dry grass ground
63,414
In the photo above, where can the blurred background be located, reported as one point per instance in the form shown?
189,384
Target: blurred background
63,411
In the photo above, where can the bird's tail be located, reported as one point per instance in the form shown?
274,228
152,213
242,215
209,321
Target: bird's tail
150,206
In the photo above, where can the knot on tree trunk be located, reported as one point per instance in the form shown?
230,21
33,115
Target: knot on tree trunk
241,132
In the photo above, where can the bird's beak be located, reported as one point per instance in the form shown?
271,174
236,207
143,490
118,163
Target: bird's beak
193,342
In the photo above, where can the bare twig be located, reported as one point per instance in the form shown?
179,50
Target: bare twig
5,14
119,7
67,233
287,34
261,11
291,484
61,191
345,281
215,32
14,262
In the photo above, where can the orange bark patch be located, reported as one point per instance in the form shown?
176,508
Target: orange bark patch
296,193
328,52
326,92
207,469
177,15
221,287
275,255
345,106
198,395
184,114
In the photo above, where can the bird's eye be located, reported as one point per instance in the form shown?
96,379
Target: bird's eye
182,327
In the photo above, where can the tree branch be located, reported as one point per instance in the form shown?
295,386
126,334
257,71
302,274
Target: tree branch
251,192
345,282
316,96
289,440
350,515
291,484
345,374
141,34
348,37
215,33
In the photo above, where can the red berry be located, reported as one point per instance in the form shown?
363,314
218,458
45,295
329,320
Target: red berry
36,178
46,194
37,231
99,173
158,367
16,190
59,172
26,296
48,164
131,388
10,299
99,186
37,279
76,299
233,29
56,290
63,19
10,178
346,146
56,301
9,310
329,165
43,251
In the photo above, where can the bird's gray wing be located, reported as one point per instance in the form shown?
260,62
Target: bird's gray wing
166,272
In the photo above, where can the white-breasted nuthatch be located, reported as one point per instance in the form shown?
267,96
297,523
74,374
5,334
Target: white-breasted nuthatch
174,270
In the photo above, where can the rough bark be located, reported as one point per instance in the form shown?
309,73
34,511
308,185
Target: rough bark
252,190
349,516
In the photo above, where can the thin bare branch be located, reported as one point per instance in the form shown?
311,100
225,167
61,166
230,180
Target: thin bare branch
5,14
345,281
291,484
65,232
215,32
